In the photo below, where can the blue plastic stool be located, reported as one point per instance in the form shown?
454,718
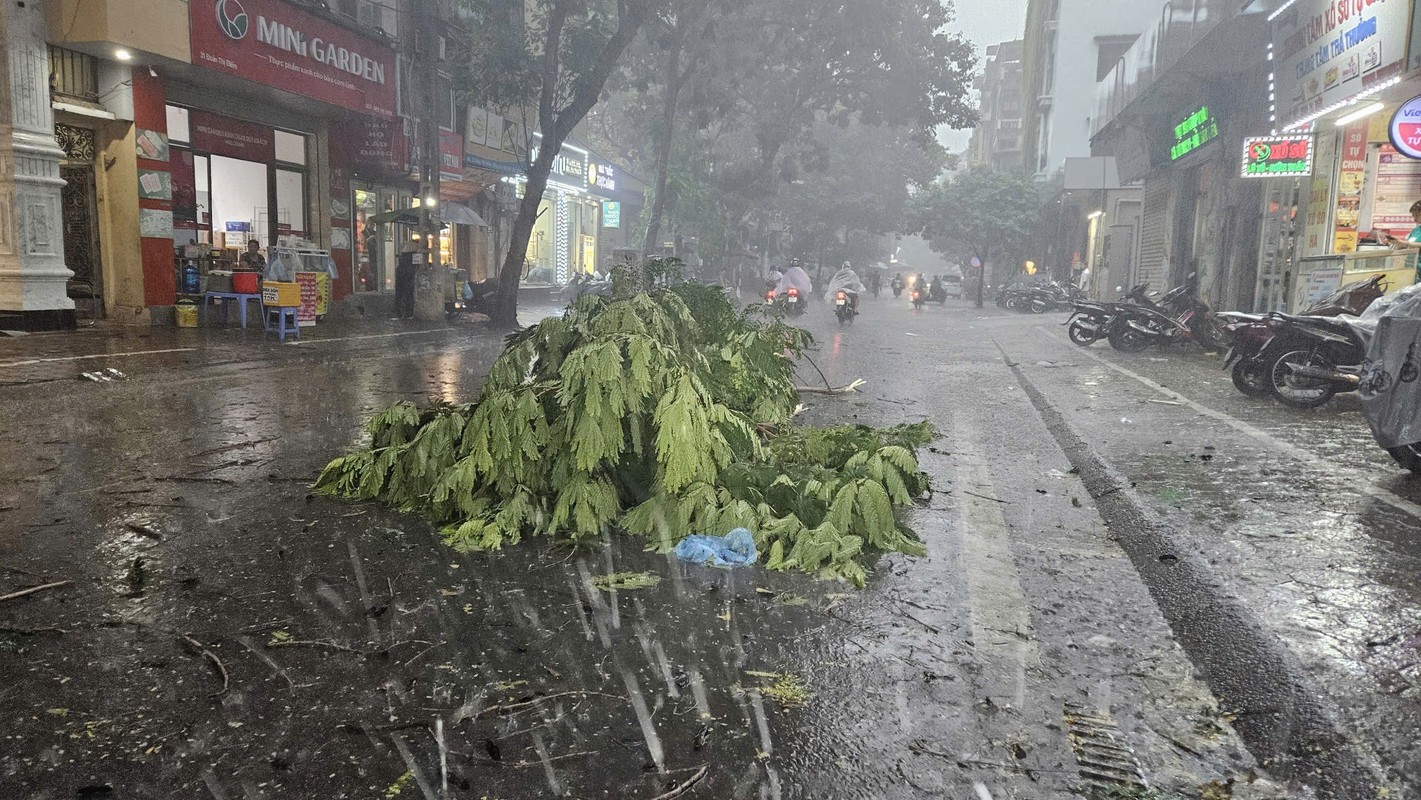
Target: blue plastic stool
276,318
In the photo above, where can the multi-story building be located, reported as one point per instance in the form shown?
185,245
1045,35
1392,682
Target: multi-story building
996,141
141,149
1070,45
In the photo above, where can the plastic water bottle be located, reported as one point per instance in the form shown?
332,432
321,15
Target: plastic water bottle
192,280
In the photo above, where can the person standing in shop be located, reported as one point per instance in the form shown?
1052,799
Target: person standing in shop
410,260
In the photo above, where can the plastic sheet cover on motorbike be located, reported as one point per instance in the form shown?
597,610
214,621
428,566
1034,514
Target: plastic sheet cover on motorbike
1391,378
846,280
795,278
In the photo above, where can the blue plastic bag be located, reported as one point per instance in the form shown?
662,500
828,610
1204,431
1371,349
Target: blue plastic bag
736,549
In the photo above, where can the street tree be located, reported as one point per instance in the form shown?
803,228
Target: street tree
988,213
558,55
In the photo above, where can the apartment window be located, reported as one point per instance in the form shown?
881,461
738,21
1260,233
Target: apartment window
73,75
444,103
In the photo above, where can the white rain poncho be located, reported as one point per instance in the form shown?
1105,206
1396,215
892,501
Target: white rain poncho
846,280
795,278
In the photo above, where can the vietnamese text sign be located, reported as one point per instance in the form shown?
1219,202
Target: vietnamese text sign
1405,128
276,44
1327,52
234,138
1277,156
1195,131
611,214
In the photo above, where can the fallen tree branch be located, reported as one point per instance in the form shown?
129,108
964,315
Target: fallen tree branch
852,388
33,589
210,656
685,787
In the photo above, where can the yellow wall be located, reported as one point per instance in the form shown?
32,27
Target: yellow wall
121,249
159,27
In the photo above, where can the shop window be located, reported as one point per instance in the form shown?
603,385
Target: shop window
291,201
179,129
239,201
290,147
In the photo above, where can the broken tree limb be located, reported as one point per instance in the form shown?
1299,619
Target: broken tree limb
210,656
684,787
852,388
33,589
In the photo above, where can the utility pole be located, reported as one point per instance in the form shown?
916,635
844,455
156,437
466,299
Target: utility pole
426,70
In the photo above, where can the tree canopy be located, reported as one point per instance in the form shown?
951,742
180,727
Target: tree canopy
981,212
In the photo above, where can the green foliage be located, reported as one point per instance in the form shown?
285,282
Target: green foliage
983,212
660,415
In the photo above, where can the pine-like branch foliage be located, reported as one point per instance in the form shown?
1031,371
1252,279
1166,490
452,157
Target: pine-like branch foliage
646,416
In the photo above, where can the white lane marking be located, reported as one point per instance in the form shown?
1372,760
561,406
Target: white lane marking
1001,622
367,336
59,359
1258,434
982,792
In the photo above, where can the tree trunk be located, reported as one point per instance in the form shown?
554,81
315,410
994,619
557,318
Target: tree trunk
556,125
664,142
505,306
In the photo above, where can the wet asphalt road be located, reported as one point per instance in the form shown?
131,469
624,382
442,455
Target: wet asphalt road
227,635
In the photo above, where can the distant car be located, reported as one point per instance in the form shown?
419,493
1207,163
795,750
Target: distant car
953,285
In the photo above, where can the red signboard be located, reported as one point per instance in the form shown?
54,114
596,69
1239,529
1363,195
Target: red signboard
370,143
270,42
224,136
451,156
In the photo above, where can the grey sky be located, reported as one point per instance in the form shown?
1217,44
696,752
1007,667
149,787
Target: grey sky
985,22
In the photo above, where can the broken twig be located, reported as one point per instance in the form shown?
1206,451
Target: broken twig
685,787
210,656
33,589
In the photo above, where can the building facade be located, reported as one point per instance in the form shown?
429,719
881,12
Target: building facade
143,150
1069,45
996,141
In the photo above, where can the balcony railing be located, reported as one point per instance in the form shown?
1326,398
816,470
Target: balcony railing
1182,24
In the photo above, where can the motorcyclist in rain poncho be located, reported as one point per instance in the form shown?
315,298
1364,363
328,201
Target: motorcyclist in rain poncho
795,278
845,280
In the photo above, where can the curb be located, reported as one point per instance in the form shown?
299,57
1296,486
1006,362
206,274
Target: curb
1279,715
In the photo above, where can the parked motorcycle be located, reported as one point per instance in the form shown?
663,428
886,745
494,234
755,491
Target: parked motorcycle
1247,334
1179,316
845,306
1391,376
1309,360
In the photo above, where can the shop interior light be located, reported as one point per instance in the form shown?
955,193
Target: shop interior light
1361,113
1094,215
431,201
122,55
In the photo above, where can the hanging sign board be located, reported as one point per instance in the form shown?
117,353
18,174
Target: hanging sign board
1193,132
1406,128
1328,53
1277,156
277,44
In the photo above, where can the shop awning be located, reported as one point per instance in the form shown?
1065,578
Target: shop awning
400,216
459,214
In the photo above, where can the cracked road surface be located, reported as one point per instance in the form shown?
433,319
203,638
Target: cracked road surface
1136,578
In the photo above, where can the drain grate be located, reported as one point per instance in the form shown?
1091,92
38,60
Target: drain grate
1106,761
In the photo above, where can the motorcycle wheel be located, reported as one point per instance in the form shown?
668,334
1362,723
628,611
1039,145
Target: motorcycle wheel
1251,379
1300,393
1039,306
1128,340
1081,335
1408,457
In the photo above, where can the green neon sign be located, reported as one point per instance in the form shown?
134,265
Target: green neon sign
1197,130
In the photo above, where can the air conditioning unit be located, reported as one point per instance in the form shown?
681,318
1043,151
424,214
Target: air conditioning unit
366,14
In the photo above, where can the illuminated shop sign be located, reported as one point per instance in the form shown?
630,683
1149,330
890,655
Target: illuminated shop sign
1197,130
1406,128
1277,156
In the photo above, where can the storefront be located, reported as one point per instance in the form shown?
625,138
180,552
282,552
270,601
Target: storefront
1340,77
